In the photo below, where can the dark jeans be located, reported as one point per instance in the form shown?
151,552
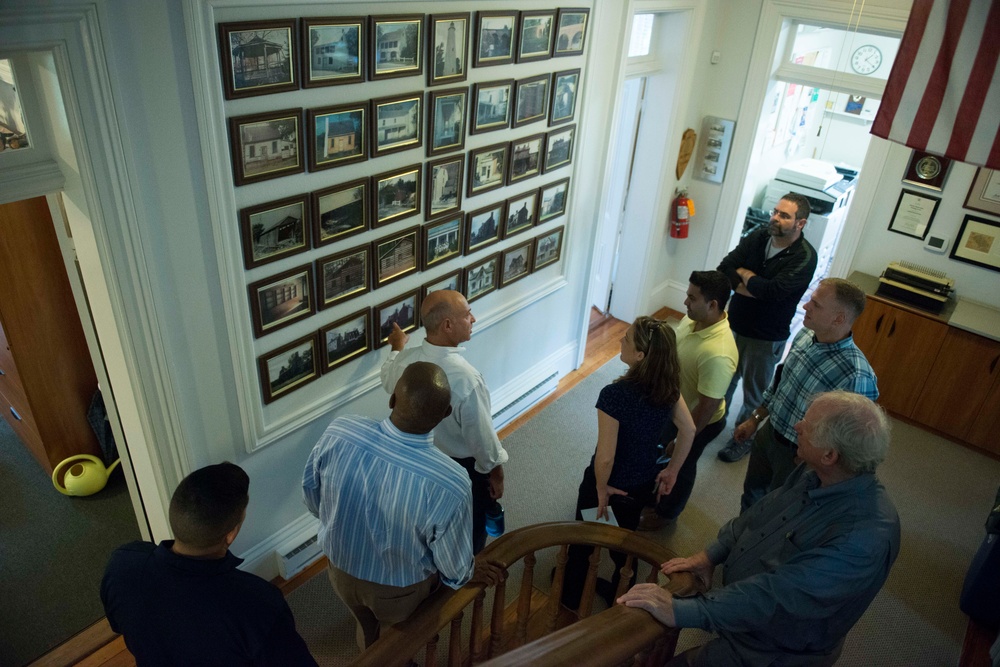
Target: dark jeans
671,506
481,502
772,460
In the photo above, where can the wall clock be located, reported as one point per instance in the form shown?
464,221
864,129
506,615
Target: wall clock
866,59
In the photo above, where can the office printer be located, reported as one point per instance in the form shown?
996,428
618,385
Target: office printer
916,285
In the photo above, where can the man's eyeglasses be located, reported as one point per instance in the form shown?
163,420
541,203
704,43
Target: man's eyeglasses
775,213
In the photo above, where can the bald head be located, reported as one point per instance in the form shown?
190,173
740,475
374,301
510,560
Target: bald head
421,398
447,318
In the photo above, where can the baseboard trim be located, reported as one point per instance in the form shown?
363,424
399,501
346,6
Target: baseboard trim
260,560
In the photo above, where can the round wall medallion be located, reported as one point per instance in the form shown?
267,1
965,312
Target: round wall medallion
928,167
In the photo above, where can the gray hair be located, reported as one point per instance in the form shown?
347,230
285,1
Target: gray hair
854,427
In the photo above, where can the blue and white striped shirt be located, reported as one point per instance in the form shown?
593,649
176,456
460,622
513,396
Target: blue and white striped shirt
393,509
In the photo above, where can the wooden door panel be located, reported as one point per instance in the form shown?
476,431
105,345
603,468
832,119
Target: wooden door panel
908,347
985,430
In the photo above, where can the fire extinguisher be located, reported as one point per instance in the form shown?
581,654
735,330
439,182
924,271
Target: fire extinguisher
681,212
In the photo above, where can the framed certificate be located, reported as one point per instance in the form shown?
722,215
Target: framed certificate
984,194
914,214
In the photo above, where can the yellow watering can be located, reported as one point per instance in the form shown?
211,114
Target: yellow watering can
86,477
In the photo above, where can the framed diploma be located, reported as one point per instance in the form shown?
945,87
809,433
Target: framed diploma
914,214
984,194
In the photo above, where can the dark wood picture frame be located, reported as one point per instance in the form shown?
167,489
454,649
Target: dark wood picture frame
384,57
526,158
563,95
258,47
487,99
302,369
410,317
446,112
547,211
285,237
251,138
570,34
407,178
437,250
927,170
559,145
910,207
343,276
484,283
395,256
976,242
341,210
548,248
531,100
496,38
351,343
984,195
510,268
399,109
440,73
480,232
339,53
487,168
338,135
444,196
268,294
451,280
522,213
532,47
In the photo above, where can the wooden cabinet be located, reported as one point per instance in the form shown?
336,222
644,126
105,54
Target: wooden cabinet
47,379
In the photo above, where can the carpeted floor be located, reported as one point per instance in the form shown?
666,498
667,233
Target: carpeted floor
943,492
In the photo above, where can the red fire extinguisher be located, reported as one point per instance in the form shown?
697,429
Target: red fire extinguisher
681,212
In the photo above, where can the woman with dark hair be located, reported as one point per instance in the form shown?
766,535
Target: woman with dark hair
635,413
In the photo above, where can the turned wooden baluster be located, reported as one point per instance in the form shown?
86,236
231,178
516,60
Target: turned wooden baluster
626,573
590,585
476,638
455,641
497,619
524,601
555,593
431,654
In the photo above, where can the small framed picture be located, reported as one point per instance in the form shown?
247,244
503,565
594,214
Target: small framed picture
403,310
444,185
291,366
333,50
984,193
397,44
978,243
548,248
525,158
553,200
559,148
339,135
494,38
492,110
266,145
571,31
487,167
396,256
343,276
397,194
481,277
396,123
450,281
927,171
914,214
532,100
280,300
449,49
563,105
535,35
341,211
258,57
446,120
274,230
521,213
443,240
346,339
482,227
515,263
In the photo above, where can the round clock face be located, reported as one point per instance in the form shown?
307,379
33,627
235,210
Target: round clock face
866,59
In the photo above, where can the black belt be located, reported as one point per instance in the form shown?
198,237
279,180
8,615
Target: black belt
784,441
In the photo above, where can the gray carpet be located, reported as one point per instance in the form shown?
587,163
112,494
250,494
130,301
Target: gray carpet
943,492
53,549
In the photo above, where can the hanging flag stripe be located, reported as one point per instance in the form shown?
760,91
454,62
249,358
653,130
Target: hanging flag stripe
901,68
937,84
982,74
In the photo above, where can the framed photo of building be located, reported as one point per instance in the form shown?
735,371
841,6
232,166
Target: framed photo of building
452,281
559,148
334,50
494,38
535,35
287,368
397,194
397,46
396,256
343,276
266,145
443,240
396,123
487,167
522,212
404,310
563,105
274,230
339,135
341,211
492,110
552,202
280,300
525,158
444,185
346,339
258,57
548,249
446,120
571,31
515,262
482,227
532,100
481,277
449,49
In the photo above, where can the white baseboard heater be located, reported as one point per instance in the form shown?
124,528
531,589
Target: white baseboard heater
298,553
525,401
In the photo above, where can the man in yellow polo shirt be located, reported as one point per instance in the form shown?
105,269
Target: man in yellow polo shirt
707,353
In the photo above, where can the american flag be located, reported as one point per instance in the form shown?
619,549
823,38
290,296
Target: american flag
943,93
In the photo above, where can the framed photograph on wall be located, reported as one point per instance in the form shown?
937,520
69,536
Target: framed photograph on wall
927,171
341,211
492,106
563,104
446,111
481,277
532,100
452,281
266,145
914,214
274,230
443,240
978,243
396,256
397,46
339,135
559,148
525,158
515,262
444,185
280,300
287,368
334,50
522,212
397,194
495,31
535,35
258,57
482,227
571,31
984,193
343,276
396,123
548,249
553,199
487,167
404,310
449,49
346,339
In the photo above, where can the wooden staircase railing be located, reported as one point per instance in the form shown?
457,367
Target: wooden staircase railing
535,628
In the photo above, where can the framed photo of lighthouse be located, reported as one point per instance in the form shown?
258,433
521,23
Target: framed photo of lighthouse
448,57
